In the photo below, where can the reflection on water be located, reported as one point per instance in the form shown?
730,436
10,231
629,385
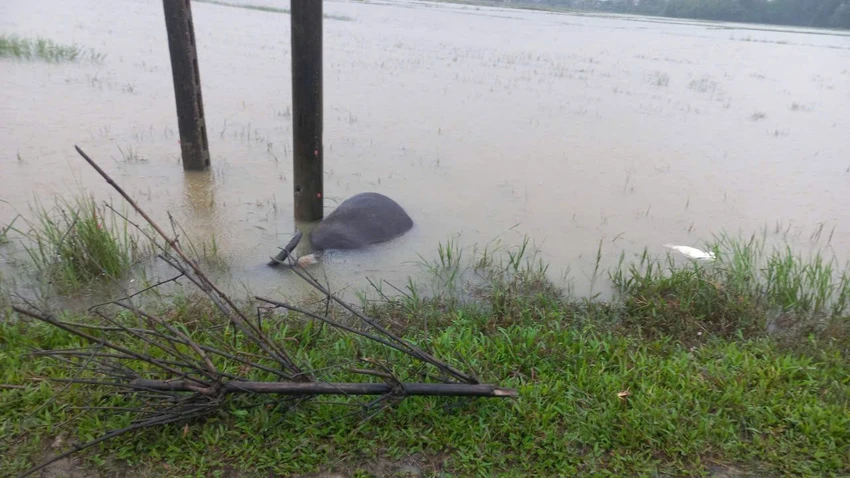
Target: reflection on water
574,130
199,195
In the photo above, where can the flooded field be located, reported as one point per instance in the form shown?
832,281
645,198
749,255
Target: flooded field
483,123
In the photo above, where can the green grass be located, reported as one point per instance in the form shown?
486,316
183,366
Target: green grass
12,46
78,242
264,8
749,290
679,373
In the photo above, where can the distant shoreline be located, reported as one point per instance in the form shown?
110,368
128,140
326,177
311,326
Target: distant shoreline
543,7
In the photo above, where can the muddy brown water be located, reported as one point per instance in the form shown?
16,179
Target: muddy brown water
483,123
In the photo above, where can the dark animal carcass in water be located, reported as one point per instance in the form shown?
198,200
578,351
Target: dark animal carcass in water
360,221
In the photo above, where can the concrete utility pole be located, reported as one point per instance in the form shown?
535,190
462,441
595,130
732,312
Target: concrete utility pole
306,18
187,85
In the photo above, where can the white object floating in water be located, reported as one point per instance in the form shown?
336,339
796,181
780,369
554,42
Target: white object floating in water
692,252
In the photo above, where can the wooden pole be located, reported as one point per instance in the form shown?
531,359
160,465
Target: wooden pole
187,85
306,18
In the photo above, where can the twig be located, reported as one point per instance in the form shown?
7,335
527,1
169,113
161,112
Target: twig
210,367
56,395
105,343
331,322
414,351
9,386
160,283
388,377
107,436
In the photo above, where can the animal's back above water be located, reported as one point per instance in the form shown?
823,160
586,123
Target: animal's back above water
360,221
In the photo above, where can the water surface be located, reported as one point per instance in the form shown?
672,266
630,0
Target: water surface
483,123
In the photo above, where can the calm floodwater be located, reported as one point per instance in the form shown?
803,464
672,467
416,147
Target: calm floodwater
481,122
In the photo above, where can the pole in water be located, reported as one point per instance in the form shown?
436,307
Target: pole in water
306,18
187,84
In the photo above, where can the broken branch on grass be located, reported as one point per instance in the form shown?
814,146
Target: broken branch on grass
321,388
188,379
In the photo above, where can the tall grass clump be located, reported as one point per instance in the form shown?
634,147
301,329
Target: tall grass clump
514,281
749,290
78,242
12,46
505,283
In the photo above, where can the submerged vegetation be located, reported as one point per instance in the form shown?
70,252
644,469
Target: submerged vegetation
690,368
12,46
4,230
77,242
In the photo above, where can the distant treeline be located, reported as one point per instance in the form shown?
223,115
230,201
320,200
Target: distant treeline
806,13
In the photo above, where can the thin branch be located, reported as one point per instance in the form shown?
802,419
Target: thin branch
160,283
102,438
330,322
97,340
186,341
170,349
412,350
210,367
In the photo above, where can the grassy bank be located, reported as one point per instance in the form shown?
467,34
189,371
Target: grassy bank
694,367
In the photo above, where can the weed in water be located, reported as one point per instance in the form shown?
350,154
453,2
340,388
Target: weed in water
204,251
800,107
12,46
660,78
703,85
131,156
4,231
78,243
